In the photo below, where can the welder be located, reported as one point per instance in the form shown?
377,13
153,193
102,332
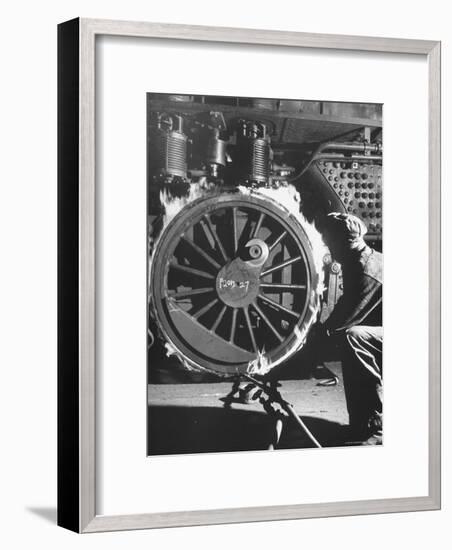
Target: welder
355,324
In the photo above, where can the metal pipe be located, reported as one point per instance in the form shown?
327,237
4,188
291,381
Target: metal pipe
333,156
290,410
360,147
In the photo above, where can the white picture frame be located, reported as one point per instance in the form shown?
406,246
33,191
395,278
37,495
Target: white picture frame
77,274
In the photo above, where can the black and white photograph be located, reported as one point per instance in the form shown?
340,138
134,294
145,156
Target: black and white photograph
265,274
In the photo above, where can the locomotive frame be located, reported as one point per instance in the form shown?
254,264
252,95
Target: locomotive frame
76,384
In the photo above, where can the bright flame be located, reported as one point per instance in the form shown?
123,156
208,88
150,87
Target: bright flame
173,205
188,365
260,365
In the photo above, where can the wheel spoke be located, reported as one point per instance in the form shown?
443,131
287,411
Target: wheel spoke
250,328
191,270
278,240
215,236
201,252
233,325
234,230
280,266
191,292
283,286
269,324
218,320
205,309
279,306
258,225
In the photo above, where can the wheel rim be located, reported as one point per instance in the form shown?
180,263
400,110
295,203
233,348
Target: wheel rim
232,279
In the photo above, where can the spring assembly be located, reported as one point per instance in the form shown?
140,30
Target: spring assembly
253,155
168,147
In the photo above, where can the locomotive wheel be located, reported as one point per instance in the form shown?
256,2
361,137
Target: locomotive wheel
233,278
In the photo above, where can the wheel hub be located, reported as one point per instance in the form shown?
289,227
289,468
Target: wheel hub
238,283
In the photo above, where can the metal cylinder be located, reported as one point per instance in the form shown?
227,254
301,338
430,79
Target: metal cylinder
215,149
215,154
208,153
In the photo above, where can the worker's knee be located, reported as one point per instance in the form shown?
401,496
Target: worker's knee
359,337
356,333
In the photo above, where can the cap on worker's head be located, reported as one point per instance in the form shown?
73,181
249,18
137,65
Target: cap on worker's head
345,227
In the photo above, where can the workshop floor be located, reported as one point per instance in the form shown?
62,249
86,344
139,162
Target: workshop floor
192,418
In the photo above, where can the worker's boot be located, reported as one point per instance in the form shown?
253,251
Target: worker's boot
366,430
375,430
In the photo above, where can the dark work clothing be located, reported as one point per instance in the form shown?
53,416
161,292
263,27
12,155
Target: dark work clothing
356,322
361,302
362,369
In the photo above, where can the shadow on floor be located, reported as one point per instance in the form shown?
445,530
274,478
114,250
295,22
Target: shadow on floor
169,370
327,433
186,430
45,512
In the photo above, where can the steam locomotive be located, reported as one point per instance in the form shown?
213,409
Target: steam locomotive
237,188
